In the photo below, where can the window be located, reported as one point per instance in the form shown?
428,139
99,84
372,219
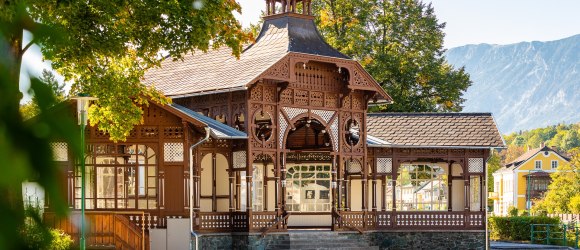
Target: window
538,164
475,192
554,164
258,188
308,188
118,177
422,188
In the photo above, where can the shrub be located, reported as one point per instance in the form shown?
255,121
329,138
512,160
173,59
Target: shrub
512,211
60,240
516,228
524,213
38,236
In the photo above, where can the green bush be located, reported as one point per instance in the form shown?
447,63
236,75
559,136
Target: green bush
512,211
60,240
517,228
37,236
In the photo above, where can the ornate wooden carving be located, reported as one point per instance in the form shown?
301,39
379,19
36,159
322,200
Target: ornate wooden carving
279,71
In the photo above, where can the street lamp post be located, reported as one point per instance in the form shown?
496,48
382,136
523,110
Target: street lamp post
83,102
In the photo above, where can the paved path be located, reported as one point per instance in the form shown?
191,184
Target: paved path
511,245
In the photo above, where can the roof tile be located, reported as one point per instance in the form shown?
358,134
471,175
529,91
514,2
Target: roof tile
435,129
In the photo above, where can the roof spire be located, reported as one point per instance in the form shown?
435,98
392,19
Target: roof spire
274,7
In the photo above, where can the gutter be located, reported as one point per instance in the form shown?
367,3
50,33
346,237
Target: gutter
432,146
207,134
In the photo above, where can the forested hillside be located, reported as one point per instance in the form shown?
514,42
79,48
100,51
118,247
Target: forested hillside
563,136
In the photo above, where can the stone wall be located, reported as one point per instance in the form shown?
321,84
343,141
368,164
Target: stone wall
382,240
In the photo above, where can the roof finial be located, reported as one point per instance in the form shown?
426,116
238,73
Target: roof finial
274,7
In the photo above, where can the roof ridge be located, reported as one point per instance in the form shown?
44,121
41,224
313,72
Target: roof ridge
431,113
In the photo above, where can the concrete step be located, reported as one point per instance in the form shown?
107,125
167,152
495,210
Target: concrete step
317,240
320,248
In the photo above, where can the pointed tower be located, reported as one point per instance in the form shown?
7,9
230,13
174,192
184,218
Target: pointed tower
294,19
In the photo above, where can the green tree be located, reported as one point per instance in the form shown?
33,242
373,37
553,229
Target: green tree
570,140
31,109
574,205
105,47
25,152
519,141
493,164
565,185
400,43
511,153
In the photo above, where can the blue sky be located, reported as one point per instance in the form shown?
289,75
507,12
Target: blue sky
487,21
468,22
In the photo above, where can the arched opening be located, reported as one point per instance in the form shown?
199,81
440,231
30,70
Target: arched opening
308,134
308,177
214,183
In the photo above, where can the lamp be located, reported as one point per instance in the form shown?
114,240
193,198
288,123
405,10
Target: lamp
83,102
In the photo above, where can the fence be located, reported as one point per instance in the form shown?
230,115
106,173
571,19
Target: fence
567,218
555,233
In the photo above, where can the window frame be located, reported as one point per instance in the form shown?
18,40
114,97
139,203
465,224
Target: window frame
538,164
142,159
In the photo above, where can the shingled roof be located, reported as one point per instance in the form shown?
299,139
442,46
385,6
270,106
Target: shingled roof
530,153
219,70
473,130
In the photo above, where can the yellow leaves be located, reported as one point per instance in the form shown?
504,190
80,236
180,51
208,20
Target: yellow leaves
448,104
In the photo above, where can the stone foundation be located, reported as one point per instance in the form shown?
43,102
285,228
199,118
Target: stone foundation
382,240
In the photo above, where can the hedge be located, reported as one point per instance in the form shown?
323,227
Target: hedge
517,228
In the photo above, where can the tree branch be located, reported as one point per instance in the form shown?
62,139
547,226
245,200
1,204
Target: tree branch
27,47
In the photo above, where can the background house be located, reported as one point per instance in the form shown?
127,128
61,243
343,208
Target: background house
524,179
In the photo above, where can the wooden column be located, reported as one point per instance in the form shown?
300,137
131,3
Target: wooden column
339,174
348,189
374,189
395,171
450,186
466,184
238,190
186,162
482,190
196,186
265,186
384,193
213,178
232,189
283,185
333,186
277,185
364,183
484,182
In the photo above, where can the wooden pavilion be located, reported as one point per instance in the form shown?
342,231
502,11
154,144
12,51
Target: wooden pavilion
281,139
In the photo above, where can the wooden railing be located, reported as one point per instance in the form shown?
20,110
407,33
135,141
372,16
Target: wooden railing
127,235
103,229
278,225
261,220
215,221
346,220
410,220
235,221
354,220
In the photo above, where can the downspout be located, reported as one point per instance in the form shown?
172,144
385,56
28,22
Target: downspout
207,134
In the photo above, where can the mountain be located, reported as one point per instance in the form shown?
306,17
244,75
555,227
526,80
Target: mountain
525,85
